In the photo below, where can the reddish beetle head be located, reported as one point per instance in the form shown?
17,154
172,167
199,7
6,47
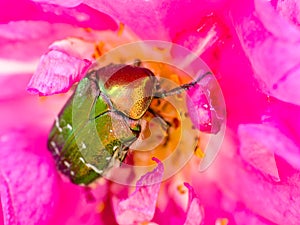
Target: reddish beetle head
129,88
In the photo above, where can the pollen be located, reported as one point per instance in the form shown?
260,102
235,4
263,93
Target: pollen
121,29
88,29
221,221
98,52
181,189
100,207
42,98
144,223
199,152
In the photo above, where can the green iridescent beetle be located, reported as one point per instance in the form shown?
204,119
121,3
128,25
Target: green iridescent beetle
102,119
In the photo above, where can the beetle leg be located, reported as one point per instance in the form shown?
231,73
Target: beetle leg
118,156
122,152
180,89
166,125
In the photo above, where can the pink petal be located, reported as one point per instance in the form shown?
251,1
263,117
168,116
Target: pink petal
274,55
7,202
127,11
277,202
75,15
27,45
56,73
83,205
195,213
27,182
256,149
201,107
245,216
260,142
289,9
144,19
140,205
32,129
67,3
18,83
26,34
206,35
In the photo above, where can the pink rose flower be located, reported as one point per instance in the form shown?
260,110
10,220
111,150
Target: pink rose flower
252,48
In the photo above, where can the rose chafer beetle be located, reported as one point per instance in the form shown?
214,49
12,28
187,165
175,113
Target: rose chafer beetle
102,119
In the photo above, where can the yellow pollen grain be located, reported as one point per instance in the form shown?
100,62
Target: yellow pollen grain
174,77
199,153
98,50
181,189
144,223
100,207
42,98
88,29
222,221
121,29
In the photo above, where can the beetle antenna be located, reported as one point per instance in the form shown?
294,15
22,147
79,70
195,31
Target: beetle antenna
181,88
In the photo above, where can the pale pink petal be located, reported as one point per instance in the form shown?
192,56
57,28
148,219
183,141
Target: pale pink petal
257,150
75,47
199,109
289,9
259,143
274,55
56,73
140,205
195,213
28,187
278,202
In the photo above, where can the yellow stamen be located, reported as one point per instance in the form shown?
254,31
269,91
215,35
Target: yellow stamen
42,98
100,207
98,50
181,189
121,29
88,29
222,221
199,153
